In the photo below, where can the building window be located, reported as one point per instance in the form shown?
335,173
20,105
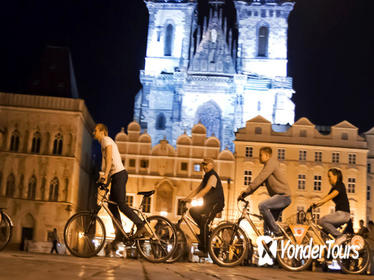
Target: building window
263,34
318,156
368,193
10,186
278,13
32,188
258,106
303,133
57,144
281,154
302,155
129,200
317,183
271,13
144,163
247,177
168,40
53,190
160,121
132,162
352,158
316,214
369,167
147,204
301,181
14,141
184,166
180,207
351,185
258,130
248,152
249,13
300,209
35,146
263,13
335,157
255,13
344,136
197,167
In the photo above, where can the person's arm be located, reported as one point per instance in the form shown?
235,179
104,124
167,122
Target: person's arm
212,182
192,194
108,162
262,176
327,198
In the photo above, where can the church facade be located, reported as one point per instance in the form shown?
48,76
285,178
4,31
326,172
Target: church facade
209,72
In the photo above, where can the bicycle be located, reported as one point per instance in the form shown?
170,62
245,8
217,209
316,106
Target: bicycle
85,233
229,244
6,229
349,264
181,249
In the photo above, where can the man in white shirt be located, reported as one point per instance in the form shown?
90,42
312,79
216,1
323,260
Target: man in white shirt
111,166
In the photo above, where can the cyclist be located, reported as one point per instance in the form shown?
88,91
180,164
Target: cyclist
112,167
210,189
277,187
342,212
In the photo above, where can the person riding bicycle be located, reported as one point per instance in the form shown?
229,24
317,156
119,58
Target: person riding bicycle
112,167
210,189
342,215
278,189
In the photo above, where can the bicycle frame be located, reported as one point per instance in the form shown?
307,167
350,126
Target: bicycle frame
188,220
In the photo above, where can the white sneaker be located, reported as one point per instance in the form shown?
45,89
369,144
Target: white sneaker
340,240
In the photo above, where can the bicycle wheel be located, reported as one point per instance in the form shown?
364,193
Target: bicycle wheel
294,263
84,234
6,230
181,248
357,265
161,245
228,245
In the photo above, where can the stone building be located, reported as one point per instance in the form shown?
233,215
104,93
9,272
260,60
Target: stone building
45,162
306,155
211,72
369,135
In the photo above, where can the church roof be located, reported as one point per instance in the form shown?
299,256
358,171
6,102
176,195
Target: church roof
133,126
198,128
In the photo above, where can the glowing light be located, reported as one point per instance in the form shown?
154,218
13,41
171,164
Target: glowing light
197,202
81,234
164,213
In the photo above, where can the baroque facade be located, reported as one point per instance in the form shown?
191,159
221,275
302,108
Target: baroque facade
369,135
45,162
207,73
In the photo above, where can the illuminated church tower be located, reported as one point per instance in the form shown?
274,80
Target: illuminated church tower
204,73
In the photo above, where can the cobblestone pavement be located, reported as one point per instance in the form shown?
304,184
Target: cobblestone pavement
18,265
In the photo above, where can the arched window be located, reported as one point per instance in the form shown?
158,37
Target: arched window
14,141
160,121
32,188
10,186
263,36
57,144
168,40
35,147
53,189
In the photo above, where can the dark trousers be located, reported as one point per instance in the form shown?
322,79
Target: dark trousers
54,247
203,215
118,195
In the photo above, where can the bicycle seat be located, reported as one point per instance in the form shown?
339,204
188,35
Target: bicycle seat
147,194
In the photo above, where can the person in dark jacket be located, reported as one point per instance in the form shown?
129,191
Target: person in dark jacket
278,189
211,191
54,241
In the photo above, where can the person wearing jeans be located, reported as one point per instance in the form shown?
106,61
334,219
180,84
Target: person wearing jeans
277,186
341,216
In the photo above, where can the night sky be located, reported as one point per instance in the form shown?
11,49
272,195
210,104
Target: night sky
330,54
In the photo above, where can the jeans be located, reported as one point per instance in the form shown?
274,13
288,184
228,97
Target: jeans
118,194
271,208
331,221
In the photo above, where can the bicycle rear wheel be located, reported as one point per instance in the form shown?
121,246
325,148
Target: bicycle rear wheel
357,265
6,230
181,249
228,245
161,245
84,234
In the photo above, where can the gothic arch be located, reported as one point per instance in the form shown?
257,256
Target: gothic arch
210,115
10,186
164,196
31,191
57,144
35,145
169,34
262,39
161,121
53,189
14,141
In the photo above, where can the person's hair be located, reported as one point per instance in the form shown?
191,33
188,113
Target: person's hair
103,127
267,150
337,173
371,223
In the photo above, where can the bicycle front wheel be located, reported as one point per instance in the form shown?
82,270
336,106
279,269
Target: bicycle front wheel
84,234
162,242
5,230
228,245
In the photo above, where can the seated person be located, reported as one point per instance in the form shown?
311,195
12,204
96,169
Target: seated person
211,191
277,186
